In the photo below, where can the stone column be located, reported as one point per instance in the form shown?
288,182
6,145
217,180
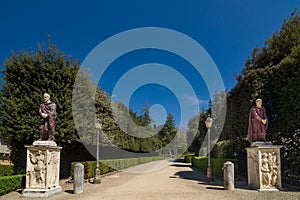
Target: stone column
78,178
42,169
264,167
228,168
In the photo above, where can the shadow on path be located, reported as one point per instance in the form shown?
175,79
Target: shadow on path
199,175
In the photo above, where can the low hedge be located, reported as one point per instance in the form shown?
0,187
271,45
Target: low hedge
188,158
106,166
6,170
216,163
11,183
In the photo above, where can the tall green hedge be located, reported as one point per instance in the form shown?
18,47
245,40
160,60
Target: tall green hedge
6,170
216,163
11,183
188,158
106,166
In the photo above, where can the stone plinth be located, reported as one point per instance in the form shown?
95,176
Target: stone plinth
264,167
42,169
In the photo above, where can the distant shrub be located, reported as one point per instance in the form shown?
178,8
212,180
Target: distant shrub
188,158
216,163
11,183
106,166
223,149
6,170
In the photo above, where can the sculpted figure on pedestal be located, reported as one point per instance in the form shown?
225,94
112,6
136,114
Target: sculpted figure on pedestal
258,123
47,112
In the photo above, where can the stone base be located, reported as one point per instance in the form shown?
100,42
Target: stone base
42,169
269,189
44,143
41,192
261,143
97,179
264,166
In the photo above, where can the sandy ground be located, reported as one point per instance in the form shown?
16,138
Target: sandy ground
174,180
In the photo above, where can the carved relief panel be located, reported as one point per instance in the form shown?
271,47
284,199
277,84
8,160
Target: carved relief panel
42,169
270,167
264,170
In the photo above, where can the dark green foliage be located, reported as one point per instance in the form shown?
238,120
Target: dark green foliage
26,77
198,130
276,48
11,183
216,163
145,117
137,135
188,158
71,153
167,134
223,149
107,166
89,168
6,170
273,74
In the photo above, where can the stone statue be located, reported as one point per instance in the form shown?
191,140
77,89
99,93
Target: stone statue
258,123
47,112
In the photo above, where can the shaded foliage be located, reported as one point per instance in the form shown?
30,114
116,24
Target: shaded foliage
273,74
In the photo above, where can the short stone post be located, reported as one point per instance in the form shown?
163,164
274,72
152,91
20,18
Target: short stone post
228,169
78,178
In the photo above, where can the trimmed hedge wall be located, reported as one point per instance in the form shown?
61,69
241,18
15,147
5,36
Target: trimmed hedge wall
106,166
6,170
188,158
217,164
11,183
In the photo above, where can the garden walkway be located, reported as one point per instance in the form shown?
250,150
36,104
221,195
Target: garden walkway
177,180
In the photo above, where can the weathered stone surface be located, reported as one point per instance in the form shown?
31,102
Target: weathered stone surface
44,143
41,192
42,171
97,177
228,169
78,178
264,167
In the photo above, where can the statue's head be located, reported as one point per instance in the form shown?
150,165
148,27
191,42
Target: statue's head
258,102
46,97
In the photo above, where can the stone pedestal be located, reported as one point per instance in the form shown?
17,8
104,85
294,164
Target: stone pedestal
42,169
264,167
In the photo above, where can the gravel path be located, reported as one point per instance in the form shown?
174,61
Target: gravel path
174,180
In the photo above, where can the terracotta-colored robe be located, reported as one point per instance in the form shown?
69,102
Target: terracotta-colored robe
256,129
47,125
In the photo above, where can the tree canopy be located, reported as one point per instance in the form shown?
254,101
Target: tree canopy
28,75
272,73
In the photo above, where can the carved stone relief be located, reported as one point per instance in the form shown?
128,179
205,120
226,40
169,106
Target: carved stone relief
53,168
37,169
269,169
264,170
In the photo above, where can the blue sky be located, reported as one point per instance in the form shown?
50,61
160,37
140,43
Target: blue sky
227,30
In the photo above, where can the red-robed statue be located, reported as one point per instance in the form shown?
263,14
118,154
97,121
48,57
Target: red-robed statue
258,123
47,112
